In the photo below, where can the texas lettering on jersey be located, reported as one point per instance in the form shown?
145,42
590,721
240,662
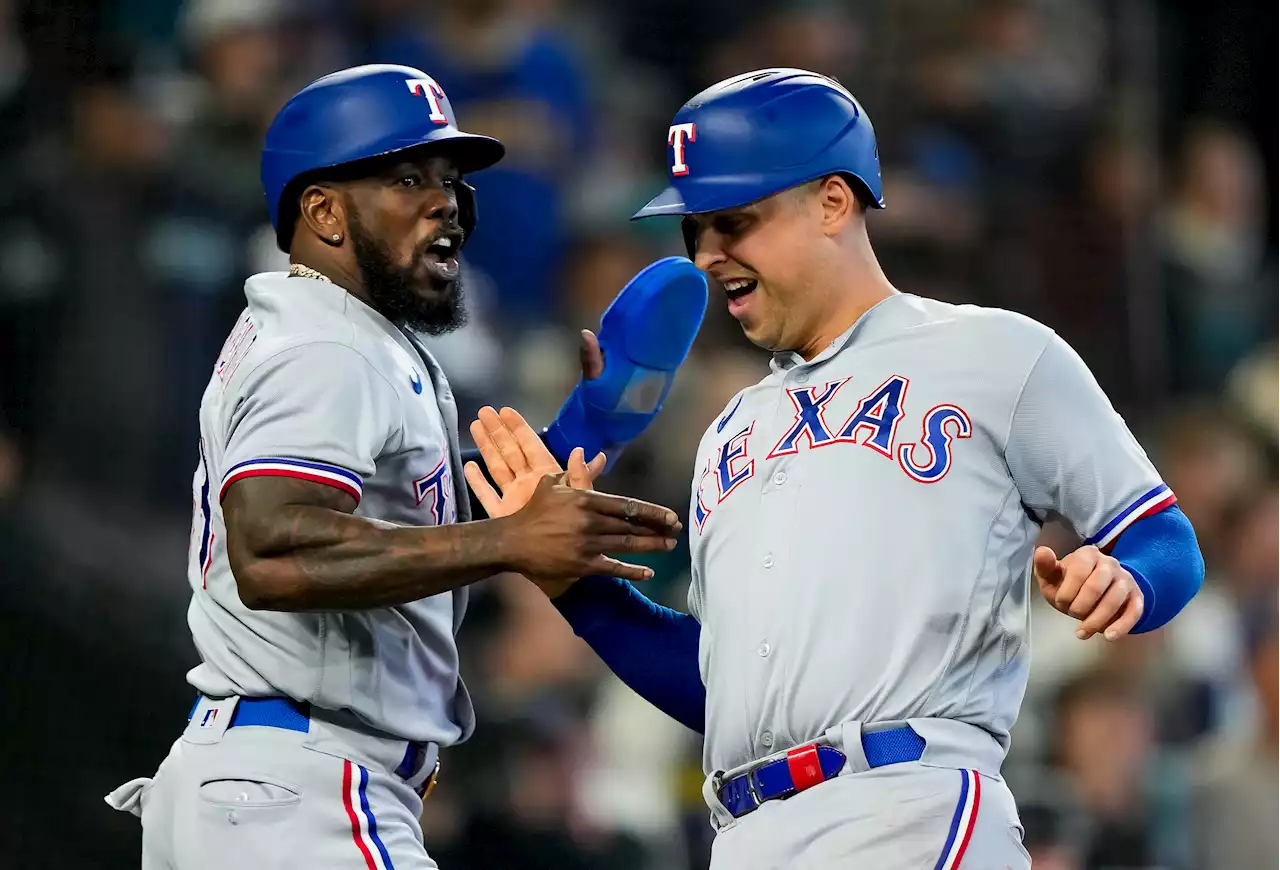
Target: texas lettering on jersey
873,424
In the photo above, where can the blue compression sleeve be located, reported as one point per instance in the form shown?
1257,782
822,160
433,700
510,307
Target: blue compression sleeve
1162,554
653,649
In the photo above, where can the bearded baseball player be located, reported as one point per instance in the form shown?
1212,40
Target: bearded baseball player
863,520
331,543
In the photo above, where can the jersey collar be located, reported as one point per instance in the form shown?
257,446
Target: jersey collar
282,288
785,360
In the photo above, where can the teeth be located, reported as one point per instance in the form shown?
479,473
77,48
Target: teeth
446,243
736,284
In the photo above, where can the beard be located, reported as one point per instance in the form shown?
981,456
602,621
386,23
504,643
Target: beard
432,306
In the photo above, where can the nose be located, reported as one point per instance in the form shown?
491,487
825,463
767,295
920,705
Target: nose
444,210
709,252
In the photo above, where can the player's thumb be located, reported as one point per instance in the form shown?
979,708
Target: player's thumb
578,474
590,355
1047,567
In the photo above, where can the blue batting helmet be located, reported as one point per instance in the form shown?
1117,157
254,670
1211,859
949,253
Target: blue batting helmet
762,132
358,113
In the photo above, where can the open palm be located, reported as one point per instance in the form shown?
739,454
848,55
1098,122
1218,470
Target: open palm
518,460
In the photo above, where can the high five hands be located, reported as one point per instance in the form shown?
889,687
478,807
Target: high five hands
1091,586
565,527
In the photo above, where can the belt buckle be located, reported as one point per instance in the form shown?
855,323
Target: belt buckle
429,785
722,782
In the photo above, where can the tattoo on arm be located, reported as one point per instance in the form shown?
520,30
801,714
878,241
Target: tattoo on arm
294,545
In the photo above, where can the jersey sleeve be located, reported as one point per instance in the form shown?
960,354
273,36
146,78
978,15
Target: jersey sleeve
1070,452
317,412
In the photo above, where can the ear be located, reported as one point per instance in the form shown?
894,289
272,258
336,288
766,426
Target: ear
324,212
839,204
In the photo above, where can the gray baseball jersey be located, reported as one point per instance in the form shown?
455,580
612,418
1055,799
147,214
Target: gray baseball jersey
314,384
862,528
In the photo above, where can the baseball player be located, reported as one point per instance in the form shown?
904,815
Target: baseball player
331,547
862,521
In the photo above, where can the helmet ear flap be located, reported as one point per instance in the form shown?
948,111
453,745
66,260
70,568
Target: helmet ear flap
468,210
689,229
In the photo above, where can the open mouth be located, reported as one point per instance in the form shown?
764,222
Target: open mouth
441,256
443,248
738,288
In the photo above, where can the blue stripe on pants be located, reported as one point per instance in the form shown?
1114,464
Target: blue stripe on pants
955,822
373,826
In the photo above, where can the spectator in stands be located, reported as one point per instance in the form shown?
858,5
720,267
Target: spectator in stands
1053,834
89,212
1253,392
1234,795
815,35
536,823
510,73
1103,732
236,49
1211,463
1218,279
1089,248
1214,466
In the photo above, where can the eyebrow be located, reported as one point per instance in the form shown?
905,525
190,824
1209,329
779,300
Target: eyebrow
746,211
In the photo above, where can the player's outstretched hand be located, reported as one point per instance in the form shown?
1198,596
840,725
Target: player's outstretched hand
559,527
1093,587
564,532
517,461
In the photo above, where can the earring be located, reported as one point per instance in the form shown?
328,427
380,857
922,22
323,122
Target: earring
337,238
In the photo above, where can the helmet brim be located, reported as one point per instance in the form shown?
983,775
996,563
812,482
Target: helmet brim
669,201
471,152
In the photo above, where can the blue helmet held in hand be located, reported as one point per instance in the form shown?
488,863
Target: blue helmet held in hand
759,133
359,113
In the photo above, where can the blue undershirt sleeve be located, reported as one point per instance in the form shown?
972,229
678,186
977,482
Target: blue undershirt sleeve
653,649
1162,554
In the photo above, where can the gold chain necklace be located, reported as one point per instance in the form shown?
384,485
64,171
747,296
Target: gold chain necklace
297,270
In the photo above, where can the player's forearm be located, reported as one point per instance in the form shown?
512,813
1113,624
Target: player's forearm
651,648
307,558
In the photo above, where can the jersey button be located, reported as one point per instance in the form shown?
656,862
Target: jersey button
764,649
780,478
803,377
766,739
768,561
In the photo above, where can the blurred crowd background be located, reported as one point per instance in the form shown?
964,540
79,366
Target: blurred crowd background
1106,166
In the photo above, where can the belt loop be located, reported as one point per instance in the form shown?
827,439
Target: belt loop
721,818
847,737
